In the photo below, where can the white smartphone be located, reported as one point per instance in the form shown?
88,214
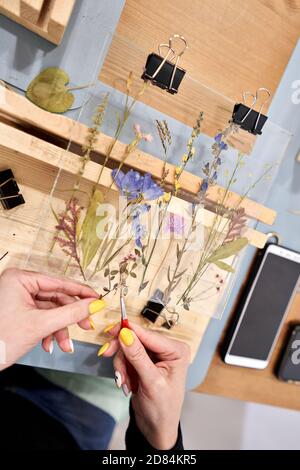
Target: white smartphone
264,307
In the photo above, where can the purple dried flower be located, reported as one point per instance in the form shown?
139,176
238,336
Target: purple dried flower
175,224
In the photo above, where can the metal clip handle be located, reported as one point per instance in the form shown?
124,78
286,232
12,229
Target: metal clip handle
171,54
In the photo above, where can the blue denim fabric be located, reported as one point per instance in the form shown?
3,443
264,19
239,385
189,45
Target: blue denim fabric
91,427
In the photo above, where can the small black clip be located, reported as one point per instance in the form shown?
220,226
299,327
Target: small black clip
247,118
10,196
154,306
161,71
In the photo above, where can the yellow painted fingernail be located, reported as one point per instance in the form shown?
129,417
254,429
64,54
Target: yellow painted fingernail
96,306
103,349
126,336
109,327
92,323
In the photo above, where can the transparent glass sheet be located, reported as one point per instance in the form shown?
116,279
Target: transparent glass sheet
55,180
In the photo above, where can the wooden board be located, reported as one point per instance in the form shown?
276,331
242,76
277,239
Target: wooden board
23,111
259,386
52,20
35,164
231,49
31,9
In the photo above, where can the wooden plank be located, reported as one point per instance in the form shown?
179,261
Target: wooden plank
59,18
31,9
43,153
12,9
22,110
230,52
258,386
192,95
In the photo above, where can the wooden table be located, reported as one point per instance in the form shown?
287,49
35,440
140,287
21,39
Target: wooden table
259,386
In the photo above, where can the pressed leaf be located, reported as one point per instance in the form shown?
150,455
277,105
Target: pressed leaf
48,90
143,286
224,266
90,241
228,249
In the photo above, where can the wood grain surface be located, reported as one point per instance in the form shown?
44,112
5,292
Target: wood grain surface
234,46
258,386
49,22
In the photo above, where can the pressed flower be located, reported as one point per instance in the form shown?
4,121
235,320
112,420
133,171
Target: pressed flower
177,186
128,183
178,170
139,231
149,189
148,137
185,158
166,197
139,134
175,224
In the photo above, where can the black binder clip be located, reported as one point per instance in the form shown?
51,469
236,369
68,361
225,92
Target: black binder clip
247,118
164,71
154,306
10,196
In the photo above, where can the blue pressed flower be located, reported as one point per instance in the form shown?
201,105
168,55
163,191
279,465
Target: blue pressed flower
139,231
218,138
134,186
219,161
204,186
150,190
129,184
223,146
139,209
215,176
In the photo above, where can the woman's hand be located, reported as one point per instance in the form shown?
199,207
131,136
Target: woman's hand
161,366
34,306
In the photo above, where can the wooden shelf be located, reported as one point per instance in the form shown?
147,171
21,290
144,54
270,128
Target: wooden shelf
23,111
47,18
258,386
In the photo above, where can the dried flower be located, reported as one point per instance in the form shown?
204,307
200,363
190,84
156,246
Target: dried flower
167,197
237,223
136,187
139,134
175,224
68,222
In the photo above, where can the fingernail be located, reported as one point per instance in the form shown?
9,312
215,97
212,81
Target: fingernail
118,379
103,349
51,347
96,306
125,390
71,346
92,324
109,327
126,336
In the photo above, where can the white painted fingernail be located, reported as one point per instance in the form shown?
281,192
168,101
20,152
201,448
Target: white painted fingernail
51,347
118,379
125,390
71,346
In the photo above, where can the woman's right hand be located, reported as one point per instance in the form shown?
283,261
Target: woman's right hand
161,366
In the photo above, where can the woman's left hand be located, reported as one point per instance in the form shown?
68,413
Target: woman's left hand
34,307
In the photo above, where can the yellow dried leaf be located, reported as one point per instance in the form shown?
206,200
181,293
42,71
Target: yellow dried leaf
48,90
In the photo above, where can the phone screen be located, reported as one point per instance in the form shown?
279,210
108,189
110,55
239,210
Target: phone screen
265,308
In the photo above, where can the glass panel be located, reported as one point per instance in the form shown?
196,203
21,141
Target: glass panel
203,286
